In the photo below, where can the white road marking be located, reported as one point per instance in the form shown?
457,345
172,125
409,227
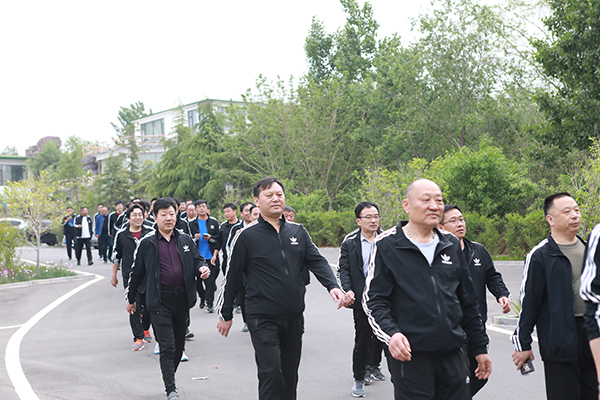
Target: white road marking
10,327
11,358
505,331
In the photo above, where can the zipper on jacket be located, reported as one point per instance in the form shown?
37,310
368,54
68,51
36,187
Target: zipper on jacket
287,271
437,302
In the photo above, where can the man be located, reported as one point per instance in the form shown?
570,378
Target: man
590,292
205,231
289,214
267,258
126,242
69,230
246,219
231,219
483,274
167,262
112,218
550,300
83,223
421,302
254,213
353,266
101,230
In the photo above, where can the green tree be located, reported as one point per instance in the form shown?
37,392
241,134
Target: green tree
127,139
33,200
113,184
72,180
46,158
10,151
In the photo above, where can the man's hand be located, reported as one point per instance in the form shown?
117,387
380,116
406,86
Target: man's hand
224,326
197,236
399,347
204,272
504,304
338,296
114,281
206,236
130,308
484,366
213,260
519,357
348,299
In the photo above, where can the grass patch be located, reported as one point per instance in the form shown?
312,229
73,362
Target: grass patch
505,257
25,272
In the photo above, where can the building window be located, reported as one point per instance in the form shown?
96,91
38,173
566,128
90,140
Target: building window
192,119
154,128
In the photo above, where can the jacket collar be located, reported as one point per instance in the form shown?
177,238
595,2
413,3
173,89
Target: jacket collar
555,250
402,242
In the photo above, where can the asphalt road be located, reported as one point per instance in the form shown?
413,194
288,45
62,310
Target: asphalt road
82,348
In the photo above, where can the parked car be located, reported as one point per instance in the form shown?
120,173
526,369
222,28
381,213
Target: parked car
47,236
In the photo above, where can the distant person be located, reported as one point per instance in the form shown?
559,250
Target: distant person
483,273
267,258
289,214
167,262
101,230
69,230
112,218
353,265
254,213
421,302
126,242
550,302
230,213
83,223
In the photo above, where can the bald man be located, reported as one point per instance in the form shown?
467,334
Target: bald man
421,302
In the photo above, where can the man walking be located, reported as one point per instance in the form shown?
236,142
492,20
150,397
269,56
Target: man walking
69,230
267,258
231,219
83,223
126,242
102,233
550,301
421,302
483,273
167,262
353,266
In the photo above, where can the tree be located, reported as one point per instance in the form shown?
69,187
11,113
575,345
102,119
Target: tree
69,174
570,57
127,139
46,158
10,151
113,184
33,200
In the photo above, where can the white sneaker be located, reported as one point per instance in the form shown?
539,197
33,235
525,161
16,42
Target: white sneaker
156,349
184,357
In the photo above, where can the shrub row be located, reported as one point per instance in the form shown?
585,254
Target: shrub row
514,235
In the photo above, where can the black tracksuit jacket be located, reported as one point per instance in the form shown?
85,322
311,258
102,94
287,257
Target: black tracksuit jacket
435,306
590,285
270,265
484,274
78,220
124,248
547,301
146,269
350,266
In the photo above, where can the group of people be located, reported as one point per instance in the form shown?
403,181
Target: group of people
417,291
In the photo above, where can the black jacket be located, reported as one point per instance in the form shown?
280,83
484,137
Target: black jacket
78,220
113,227
547,302
69,229
270,266
147,266
435,306
350,266
590,285
124,248
212,226
484,274
224,231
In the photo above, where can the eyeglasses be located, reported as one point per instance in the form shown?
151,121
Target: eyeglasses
453,221
370,217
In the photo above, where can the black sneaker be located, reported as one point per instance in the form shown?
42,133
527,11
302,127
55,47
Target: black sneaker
202,304
368,376
189,334
78,262
173,396
210,309
90,263
377,374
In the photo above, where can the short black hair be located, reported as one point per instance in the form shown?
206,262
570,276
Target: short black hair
230,205
266,183
447,208
100,204
118,202
253,207
163,203
147,205
549,201
82,208
289,209
198,202
69,207
133,207
362,205
154,199
244,204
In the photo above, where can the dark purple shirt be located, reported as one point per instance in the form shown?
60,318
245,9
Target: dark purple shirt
171,269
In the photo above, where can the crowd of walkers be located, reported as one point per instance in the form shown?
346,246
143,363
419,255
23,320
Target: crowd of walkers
417,291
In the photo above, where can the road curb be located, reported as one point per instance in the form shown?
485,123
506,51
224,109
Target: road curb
15,285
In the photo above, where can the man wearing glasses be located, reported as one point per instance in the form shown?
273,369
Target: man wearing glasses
483,274
353,266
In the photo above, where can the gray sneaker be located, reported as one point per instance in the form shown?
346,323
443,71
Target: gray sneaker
173,396
368,376
138,345
358,389
377,374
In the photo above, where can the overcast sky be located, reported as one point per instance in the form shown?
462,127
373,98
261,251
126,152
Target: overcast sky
67,66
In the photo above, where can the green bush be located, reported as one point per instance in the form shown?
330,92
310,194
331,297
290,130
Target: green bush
489,231
328,228
10,239
524,232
